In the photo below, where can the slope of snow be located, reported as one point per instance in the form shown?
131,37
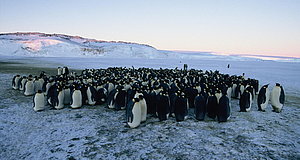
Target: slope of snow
56,45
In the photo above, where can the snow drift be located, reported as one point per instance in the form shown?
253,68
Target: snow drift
58,45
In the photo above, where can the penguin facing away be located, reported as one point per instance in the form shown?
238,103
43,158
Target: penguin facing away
223,113
181,107
277,98
29,88
212,106
39,101
263,98
200,107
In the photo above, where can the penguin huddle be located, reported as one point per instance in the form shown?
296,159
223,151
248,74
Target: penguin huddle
161,93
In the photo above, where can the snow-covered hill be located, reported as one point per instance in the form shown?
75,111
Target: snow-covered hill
58,45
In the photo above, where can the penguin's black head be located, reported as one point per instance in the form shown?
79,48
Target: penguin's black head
39,91
277,84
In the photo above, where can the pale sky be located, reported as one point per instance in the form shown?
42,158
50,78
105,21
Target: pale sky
265,27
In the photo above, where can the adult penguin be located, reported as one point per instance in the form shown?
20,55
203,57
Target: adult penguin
22,83
120,98
200,107
39,101
151,103
67,95
101,95
246,101
59,103
83,90
29,88
212,105
181,107
38,85
91,94
143,106
133,113
223,111
111,99
263,98
277,98
76,97
163,105
15,82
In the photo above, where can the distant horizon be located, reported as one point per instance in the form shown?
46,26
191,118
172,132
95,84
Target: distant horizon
174,50
259,27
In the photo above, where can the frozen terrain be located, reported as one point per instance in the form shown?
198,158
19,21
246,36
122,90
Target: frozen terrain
95,132
100,133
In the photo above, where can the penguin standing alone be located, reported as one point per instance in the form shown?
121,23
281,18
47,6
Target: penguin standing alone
277,98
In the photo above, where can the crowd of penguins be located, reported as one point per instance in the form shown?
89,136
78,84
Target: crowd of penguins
158,92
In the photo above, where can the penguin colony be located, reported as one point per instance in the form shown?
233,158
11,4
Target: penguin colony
143,91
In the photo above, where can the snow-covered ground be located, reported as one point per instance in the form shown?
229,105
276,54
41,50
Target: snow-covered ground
99,133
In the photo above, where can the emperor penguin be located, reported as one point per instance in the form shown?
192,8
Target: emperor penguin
111,99
163,105
29,88
246,101
263,98
143,106
22,83
223,113
15,82
200,107
218,94
91,94
133,113
76,97
38,85
277,98
39,101
67,95
59,71
181,107
212,105
60,98
120,98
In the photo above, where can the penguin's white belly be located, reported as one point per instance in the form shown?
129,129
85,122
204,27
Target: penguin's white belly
250,103
77,99
233,90
218,95
275,94
136,111
39,102
16,86
89,95
60,100
264,105
29,89
143,110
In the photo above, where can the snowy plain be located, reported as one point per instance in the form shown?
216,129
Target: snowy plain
95,132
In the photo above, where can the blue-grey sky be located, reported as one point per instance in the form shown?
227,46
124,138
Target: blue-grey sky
269,27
